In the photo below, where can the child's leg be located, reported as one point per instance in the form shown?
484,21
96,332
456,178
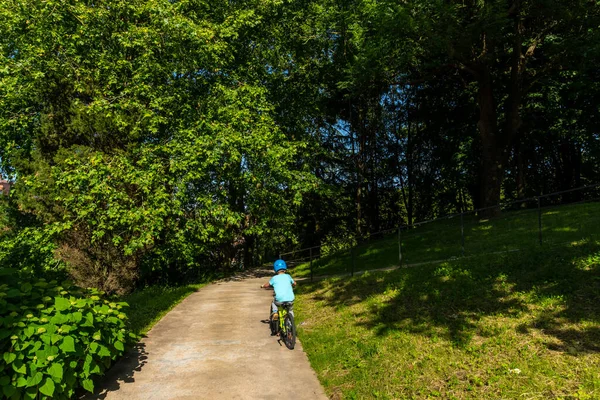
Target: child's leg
274,318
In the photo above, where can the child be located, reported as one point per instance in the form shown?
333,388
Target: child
282,283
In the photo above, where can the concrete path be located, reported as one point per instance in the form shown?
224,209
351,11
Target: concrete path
214,345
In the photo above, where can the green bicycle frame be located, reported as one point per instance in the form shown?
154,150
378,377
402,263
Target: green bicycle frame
282,313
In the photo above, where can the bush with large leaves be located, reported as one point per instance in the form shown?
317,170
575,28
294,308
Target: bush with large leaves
55,338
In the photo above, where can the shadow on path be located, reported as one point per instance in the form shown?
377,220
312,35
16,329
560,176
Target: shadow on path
123,372
248,274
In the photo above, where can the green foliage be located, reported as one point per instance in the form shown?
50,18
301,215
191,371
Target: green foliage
55,338
139,143
106,211
400,107
28,249
94,192
156,140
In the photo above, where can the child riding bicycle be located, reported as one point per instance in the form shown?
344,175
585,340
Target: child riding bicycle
283,285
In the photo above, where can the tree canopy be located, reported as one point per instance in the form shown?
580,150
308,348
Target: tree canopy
160,140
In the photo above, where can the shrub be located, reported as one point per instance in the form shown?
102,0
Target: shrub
105,212
28,248
55,338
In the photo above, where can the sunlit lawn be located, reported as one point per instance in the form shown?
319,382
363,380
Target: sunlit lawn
521,325
443,240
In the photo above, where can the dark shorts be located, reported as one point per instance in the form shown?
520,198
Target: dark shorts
276,304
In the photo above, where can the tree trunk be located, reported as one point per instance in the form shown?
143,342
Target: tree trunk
569,169
357,147
410,209
520,175
396,211
406,185
491,160
373,179
495,146
249,254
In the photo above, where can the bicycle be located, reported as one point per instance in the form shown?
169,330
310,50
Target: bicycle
284,326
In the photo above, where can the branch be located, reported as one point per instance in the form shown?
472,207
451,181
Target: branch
539,39
484,50
472,69
543,71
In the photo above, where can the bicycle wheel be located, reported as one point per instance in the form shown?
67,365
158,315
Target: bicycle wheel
289,337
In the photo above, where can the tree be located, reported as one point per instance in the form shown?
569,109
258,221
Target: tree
504,47
138,138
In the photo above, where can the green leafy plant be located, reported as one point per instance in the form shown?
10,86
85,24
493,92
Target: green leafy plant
54,337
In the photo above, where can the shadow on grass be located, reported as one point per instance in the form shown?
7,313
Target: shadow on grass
575,279
452,298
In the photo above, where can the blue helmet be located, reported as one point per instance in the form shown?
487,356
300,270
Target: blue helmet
279,265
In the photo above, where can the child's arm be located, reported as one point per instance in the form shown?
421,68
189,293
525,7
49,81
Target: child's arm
265,285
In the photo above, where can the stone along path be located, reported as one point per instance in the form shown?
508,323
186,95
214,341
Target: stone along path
214,345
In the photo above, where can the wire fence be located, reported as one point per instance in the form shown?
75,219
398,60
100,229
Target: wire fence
548,219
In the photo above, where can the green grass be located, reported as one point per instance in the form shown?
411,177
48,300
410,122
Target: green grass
442,240
514,325
149,305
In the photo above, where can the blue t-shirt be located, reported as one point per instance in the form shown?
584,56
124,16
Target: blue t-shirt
282,284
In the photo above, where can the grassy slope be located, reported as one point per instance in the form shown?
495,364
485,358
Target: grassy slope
442,239
514,325
149,305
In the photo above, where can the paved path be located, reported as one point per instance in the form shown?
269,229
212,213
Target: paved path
214,345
